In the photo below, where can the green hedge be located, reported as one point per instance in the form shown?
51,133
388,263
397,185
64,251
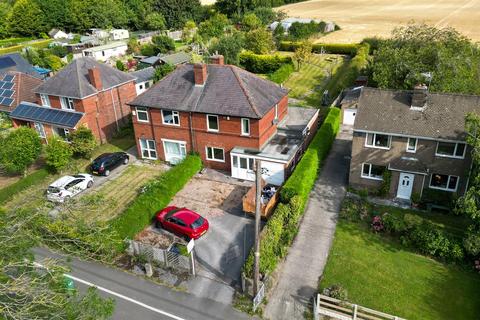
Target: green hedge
333,48
12,41
33,178
282,227
17,48
282,74
263,63
157,196
346,75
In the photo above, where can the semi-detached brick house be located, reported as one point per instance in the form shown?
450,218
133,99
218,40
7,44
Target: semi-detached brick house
85,92
416,135
229,116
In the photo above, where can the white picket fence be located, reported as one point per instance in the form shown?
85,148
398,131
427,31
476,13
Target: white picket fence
342,310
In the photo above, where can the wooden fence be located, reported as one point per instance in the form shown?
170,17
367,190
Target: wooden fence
342,310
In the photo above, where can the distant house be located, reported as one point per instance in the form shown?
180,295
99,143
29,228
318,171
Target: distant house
85,92
15,62
143,79
175,35
417,137
57,34
175,59
230,117
99,33
146,37
16,87
105,52
90,40
119,34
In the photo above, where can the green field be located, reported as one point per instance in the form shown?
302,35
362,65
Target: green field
380,274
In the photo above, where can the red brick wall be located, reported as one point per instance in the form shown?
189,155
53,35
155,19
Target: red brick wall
100,115
228,137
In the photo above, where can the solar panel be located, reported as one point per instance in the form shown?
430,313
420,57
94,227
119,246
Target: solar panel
7,93
1,92
7,85
2,83
53,116
7,101
1,100
8,78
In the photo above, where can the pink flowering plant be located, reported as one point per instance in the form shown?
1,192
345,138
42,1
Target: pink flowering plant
377,224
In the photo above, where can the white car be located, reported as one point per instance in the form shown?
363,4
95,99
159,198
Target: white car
68,186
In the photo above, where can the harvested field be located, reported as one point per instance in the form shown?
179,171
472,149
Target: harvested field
365,18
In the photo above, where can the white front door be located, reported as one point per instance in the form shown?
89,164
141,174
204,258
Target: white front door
175,151
349,116
242,167
405,185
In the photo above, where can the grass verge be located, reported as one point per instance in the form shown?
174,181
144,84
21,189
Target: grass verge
33,178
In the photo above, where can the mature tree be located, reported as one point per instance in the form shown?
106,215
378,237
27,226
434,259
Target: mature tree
59,51
303,53
155,21
58,154
229,46
148,50
259,41
162,70
251,22
414,50
83,141
20,148
213,27
177,12
163,44
26,19
230,7
98,14
137,10
4,11
55,12
189,31
265,14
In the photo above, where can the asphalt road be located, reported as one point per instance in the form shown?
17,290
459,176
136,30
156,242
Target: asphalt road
138,298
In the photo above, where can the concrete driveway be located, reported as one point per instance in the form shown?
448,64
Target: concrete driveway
221,252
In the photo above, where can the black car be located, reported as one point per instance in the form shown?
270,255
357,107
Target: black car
106,162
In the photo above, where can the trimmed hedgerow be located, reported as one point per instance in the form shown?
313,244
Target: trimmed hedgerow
282,73
333,48
157,195
280,230
262,63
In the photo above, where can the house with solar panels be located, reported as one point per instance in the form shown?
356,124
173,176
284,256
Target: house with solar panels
84,93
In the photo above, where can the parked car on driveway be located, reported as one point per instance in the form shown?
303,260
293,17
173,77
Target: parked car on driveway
106,162
68,186
182,221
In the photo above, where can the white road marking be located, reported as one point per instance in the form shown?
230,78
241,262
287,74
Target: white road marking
121,296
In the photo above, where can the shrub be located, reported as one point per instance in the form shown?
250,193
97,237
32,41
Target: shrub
20,148
384,189
393,223
142,210
300,30
471,242
82,142
163,44
162,70
282,73
58,154
439,197
336,291
119,65
354,210
258,63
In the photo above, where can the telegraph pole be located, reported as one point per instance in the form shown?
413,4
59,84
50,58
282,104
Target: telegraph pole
258,182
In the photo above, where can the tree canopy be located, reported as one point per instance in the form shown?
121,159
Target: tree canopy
20,149
417,49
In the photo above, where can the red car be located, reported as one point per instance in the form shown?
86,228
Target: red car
182,221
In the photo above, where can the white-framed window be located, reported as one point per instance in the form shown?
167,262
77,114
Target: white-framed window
147,84
372,171
412,145
212,123
45,100
215,154
377,140
245,127
174,150
276,111
170,117
40,129
451,149
67,103
148,149
62,132
142,114
444,182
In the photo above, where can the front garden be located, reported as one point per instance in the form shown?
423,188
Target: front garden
404,262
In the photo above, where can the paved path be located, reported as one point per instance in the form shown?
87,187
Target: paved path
298,278
139,298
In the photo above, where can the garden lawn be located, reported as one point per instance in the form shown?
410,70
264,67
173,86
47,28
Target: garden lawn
378,273
309,81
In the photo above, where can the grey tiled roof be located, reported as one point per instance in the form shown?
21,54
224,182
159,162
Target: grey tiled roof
175,58
408,164
15,62
143,74
389,111
228,91
72,81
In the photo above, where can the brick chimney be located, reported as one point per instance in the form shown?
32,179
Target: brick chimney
94,78
200,73
217,59
419,96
